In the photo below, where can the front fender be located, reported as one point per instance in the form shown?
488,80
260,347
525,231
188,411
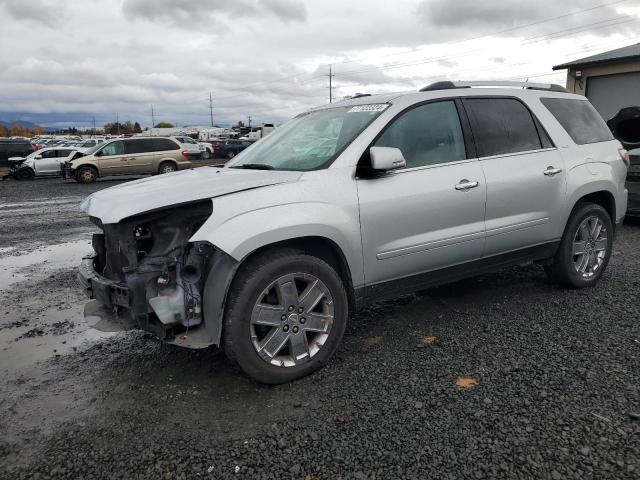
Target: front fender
245,233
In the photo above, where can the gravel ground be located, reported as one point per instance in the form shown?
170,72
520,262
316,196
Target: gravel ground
502,376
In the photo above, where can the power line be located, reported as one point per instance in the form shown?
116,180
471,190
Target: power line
500,32
531,40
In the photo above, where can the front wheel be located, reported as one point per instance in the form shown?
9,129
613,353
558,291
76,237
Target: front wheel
585,248
86,174
24,174
206,155
230,155
286,315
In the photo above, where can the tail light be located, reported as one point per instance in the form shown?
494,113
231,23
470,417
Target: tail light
185,154
624,155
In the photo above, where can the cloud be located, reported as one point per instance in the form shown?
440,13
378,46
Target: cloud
287,10
40,11
213,15
268,58
473,16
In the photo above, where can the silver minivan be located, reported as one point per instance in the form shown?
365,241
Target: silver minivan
351,203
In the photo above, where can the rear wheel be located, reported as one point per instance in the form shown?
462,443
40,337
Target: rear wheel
585,248
86,174
167,167
286,315
206,155
230,155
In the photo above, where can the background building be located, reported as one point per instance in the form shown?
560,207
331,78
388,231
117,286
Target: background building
610,80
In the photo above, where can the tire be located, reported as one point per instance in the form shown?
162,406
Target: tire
312,340
86,174
206,155
24,174
230,155
579,270
167,167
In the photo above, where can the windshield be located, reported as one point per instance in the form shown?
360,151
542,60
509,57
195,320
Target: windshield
310,141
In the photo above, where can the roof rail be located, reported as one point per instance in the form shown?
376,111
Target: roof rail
360,95
445,85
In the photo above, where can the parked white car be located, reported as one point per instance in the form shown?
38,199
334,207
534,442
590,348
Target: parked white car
206,149
41,163
90,143
190,145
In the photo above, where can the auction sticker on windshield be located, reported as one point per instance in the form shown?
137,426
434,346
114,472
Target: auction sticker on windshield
375,107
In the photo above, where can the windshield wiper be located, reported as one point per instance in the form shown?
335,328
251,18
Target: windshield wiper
254,166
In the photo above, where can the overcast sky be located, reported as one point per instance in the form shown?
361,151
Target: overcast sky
269,58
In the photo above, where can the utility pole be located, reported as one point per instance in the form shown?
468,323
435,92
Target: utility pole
211,108
153,121
331,75
94,124
118,122
249,121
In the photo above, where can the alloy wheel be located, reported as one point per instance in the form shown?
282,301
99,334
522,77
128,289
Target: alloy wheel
590,247
291,319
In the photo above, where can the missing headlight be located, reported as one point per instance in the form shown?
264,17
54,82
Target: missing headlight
144,240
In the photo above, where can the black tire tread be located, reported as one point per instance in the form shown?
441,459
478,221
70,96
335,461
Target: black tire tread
85,167
559,270
165,162
246,274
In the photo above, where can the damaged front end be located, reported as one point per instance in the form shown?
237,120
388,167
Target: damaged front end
145,274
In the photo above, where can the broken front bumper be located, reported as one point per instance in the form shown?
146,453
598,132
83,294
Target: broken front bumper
119,306
105,312
66,172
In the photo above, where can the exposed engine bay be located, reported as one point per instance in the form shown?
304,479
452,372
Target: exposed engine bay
147,275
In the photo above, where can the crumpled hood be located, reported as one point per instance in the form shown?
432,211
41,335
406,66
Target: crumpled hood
113,204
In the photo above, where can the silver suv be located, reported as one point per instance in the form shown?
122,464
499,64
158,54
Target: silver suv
351,203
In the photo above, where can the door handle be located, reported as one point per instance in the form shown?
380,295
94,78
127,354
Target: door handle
551,171
466,185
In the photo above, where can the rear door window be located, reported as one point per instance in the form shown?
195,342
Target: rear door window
137,146
502,126
580,119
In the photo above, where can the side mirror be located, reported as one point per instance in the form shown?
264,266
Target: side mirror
38,157
98,154
386,158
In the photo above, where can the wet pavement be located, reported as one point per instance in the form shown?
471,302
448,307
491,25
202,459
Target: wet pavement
503,376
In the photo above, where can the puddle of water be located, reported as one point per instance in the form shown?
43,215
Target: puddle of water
42,202
14,268
17,352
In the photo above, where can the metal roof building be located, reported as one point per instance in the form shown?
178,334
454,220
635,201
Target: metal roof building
611,80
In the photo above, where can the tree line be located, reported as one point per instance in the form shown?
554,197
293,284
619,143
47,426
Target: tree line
17,129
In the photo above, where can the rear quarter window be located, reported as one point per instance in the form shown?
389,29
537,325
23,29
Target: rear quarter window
582,122
164,144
